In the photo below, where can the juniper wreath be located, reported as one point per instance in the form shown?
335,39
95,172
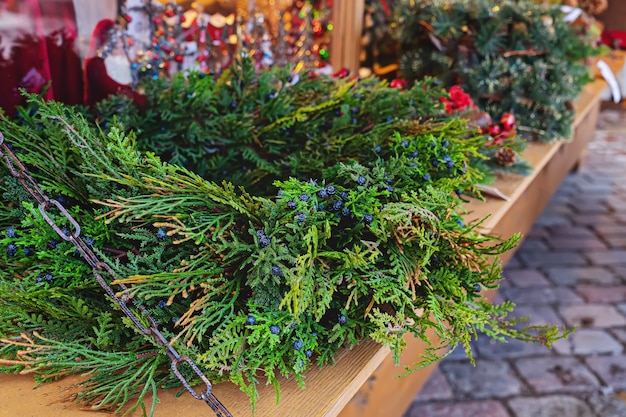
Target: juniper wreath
265,223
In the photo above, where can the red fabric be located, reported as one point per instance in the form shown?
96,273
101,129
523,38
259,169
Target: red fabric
63,59
614,38
37,40
100,85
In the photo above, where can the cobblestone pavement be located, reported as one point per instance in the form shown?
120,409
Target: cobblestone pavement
570,270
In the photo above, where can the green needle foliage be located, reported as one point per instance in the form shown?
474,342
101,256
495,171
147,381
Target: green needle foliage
513,56
334,233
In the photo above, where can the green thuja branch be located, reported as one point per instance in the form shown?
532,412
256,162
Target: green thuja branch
264,224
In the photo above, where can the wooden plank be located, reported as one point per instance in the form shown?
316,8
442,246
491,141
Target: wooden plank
346,37
362,383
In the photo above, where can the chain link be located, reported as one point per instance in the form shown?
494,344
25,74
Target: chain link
19,171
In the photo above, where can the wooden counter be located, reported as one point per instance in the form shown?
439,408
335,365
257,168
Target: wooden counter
362,383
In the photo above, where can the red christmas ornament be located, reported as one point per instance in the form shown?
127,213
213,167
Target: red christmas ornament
342,73
128,18
157,20
313,75
183,19
169,13
495,130
178,58
398,83
507,121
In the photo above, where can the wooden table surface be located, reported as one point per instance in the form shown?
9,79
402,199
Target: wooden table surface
362,383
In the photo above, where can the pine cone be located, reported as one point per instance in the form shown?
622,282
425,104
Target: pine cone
505,157
593,7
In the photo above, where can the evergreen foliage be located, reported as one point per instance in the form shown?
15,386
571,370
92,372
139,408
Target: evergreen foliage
513,56
334,233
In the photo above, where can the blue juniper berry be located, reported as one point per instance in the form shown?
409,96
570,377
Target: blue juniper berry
161,234
251,321
360,180
276,271
11,249
298,344
291,204
265,241
274,329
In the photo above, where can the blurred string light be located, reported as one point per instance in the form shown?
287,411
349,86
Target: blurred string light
272,32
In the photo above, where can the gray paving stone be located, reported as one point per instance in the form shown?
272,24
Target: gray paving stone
526,278
548,375
607,257
435,388
488,379
538,315
594,220
602,294
622,307
547,259
459,353
588,342
594,189
620,216
610,228
616,241
540,296
620,334
514,262
617,203
550,406
559,207
592,315
533,244
620,270
581,275
608,405
551,220
538,231
580,243
489,348
611,369
573,231
587,206
458,409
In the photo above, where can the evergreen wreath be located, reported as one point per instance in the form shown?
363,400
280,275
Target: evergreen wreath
263,222
514,56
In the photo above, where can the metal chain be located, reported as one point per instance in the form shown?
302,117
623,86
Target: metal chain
19,171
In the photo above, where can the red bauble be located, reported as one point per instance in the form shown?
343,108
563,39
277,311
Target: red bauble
495,130
169,13
507,121
342,73
398,83
157,20
178,58
128,18
313,75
